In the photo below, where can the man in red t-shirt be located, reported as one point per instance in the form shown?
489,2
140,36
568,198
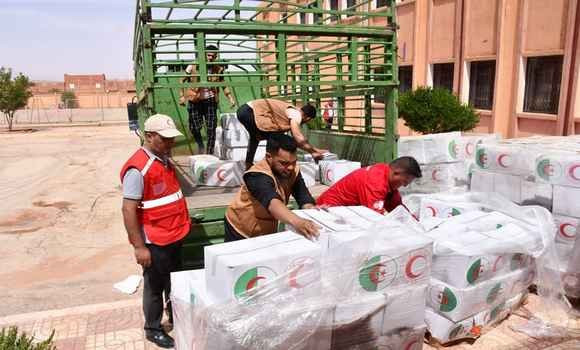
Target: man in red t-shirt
375,187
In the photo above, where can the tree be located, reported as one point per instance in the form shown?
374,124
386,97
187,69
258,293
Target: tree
435,110
69,99
14,93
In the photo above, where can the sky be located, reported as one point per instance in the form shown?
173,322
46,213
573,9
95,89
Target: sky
44,39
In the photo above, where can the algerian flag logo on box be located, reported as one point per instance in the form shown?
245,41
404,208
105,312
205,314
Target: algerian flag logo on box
476,270
481,158
444,297
377,273
494,293
253,278
548,169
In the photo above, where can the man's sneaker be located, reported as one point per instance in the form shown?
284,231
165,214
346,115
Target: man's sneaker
160,339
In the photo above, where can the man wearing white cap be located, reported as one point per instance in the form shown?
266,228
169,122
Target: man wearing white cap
156,219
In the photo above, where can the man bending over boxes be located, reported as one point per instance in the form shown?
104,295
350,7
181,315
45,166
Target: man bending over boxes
261,201
266,116
375,187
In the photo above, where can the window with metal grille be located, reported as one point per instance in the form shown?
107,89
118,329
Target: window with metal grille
443,75
334,7
481,84
543,77
405,79
382,3
317,17
303,18
351,6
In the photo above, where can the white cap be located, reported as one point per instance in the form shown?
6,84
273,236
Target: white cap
163,125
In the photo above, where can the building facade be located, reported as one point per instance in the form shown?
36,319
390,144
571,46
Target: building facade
515,61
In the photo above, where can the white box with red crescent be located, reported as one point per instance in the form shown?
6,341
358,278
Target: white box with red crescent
331,171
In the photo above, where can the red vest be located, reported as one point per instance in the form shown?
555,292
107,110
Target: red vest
163,211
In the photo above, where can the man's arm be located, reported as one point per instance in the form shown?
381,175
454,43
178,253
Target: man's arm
302,141
301,194
262,189
132,194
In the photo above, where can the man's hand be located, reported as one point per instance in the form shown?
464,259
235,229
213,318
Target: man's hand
306,228
182,100
143,256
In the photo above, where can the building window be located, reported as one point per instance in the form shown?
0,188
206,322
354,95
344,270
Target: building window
351,6
382,3
443,76
303,18
334,7
542,92
316,16
481,83
71,86
405,79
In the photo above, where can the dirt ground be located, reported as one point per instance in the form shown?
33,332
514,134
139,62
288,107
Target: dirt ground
62,241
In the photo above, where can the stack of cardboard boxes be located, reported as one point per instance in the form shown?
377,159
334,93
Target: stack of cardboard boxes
446,159
265,292
235,140
541,171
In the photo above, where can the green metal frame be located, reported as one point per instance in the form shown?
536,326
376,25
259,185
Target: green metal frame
348,55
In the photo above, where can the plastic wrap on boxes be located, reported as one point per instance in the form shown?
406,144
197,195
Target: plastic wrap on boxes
238,137
571,279
221,173
238,154
332,221
307,157
467,144
432,148
535,193
444,209
566,201
218,149
559,168
566,228
331,171
309,172
506,158
230,121
444,330
457,304
507,185
440,177
236,268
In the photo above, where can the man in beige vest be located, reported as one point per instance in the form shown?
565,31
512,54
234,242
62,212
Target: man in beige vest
261,201
267,116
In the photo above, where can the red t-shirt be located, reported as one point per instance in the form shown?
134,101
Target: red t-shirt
366,186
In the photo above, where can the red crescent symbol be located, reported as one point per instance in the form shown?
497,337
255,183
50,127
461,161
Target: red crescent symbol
572,172
433,211
328,174
500,160
409,267
252,283
294,276
411,345
469,148
434,175
374,273
221,175
563,230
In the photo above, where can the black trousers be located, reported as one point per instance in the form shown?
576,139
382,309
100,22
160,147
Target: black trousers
157,284
230,232
200,113
246,116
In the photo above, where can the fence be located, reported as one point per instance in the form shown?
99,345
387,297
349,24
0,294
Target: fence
67,115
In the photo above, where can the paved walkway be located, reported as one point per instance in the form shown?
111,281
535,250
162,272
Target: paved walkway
117,325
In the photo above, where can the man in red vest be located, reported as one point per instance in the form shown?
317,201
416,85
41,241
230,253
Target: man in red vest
375,187
156,219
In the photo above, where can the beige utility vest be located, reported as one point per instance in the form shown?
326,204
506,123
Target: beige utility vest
270,115
247,216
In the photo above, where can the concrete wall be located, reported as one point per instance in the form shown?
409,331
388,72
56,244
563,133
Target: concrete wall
76,115
507,31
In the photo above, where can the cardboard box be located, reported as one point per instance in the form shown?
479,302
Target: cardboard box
372,262
238,154
307,157
536,193
239,269
408,339
506,158
439,177
509,186
310,173
230,121
457,304
331,221
467,144
218,150
559,168
432,148
445,330
566,201
331,171
223,173
238,137
443,209
566,229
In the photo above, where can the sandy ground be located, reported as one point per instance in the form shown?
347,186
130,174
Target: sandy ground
62,241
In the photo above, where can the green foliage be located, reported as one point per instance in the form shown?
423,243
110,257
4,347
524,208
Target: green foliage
435,110
11,339
14,93
69,99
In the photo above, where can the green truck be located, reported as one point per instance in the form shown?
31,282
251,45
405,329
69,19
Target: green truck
298,51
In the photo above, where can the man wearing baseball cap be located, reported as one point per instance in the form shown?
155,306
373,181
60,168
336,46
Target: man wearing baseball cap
156,219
